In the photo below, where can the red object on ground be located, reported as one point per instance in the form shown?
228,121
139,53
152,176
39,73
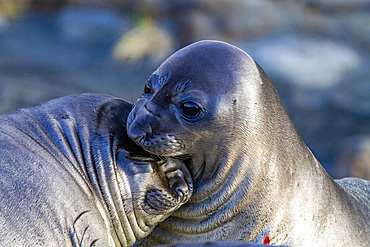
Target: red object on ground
266,240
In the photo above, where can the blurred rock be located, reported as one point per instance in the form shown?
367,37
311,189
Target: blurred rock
241,20
4,24
353,158
146,41
13,8
353,97
353,27
34,41
337,4
41,58
303,61
163,8
54,5
91,26
226,20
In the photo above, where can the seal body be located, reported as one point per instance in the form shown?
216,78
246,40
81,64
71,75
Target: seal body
70,176
254,178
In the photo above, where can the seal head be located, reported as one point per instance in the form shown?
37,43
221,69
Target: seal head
190,106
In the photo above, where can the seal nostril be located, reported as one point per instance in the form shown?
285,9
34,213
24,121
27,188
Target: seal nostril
136,133
151,109
138,130
181,190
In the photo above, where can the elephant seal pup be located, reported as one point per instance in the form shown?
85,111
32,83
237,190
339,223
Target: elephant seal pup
253,175
70,176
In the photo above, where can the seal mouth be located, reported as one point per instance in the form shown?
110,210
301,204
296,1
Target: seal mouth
162,145
140,140
157,202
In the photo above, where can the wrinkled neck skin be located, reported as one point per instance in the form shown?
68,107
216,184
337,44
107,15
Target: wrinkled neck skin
257,184
123,175
114,189
93,145
87,136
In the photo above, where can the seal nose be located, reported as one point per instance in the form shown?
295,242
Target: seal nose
140,122
138,132
182,190
179,179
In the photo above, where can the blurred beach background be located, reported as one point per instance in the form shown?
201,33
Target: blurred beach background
316,52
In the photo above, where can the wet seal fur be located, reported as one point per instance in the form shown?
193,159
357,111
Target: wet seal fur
70,176
253,175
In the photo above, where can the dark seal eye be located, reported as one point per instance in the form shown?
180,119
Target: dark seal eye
147,88
190,109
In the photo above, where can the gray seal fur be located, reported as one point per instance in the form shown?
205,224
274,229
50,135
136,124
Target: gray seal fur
70,176
253,175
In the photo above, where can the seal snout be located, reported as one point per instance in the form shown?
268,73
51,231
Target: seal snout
140,121
179,179
138,132
182,190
